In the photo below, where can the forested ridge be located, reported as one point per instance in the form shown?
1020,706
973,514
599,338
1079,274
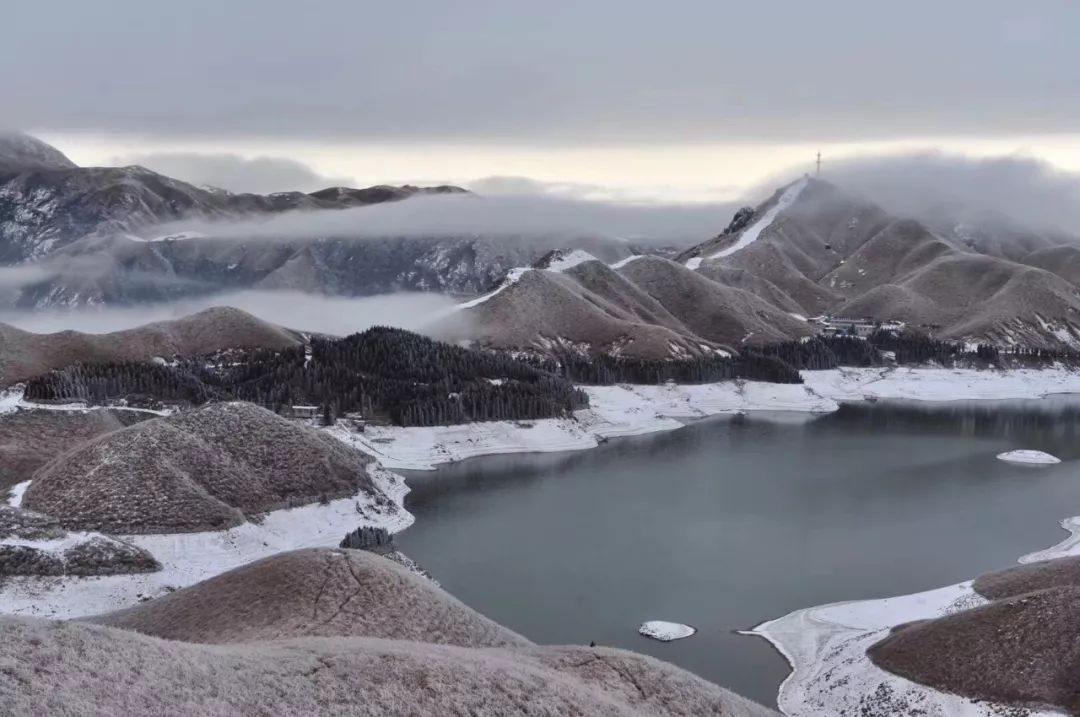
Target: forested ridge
396,376
383,373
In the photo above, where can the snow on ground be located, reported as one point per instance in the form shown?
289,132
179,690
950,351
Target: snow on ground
823,644
512,277
623,262
666,631
826,645
188,558
752,233
55,546
693,263
623,410
939,384
15,494
826,648
11,400
831,674
1035,458
633,410
422,448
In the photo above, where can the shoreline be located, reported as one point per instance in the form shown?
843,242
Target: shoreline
825,648
189,558
615,411
633,410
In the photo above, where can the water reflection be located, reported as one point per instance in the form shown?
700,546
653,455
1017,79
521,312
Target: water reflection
729,522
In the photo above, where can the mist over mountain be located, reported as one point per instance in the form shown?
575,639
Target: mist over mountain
966,249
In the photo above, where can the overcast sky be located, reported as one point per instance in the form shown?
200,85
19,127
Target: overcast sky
686,97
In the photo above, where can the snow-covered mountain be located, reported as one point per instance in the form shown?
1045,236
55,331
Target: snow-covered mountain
88,233
19,152
827,251
47,203
642,306
810,249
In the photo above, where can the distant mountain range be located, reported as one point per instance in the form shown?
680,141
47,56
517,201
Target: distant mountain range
643,306
812,249
86,236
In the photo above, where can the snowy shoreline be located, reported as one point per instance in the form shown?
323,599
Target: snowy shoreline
615,411
188,558
634,410
825,646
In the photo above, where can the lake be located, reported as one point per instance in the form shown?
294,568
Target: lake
726,523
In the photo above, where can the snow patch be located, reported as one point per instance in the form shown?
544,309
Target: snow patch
693,263
13,399
188,558
57,547
936,384
614,411
632,410
15,494
666,631
751,234
569,261
512,277
623,262
1028,457
831,675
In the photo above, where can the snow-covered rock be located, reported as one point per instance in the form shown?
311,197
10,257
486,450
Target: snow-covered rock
561,261
666,631
1029,457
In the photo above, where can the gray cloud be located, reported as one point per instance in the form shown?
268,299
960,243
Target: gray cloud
260,175
597,71
509,185
457,215
934,184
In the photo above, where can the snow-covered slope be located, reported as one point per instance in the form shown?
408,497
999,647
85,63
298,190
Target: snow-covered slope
831,252
650,307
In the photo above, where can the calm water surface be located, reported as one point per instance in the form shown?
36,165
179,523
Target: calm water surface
724,524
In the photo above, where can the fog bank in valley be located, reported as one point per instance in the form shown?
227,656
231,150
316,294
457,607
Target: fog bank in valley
305,312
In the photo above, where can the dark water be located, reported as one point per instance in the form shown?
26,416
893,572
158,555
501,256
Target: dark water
724,524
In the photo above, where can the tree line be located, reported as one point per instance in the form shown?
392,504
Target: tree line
709,368
396,376
383,374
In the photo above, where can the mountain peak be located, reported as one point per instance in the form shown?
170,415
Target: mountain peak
19,151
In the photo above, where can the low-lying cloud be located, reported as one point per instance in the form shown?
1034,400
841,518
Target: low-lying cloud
258,175
930,185
305,312
512,185
466,215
